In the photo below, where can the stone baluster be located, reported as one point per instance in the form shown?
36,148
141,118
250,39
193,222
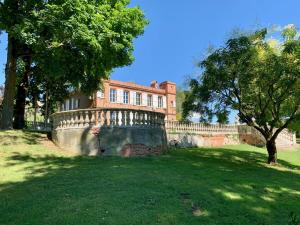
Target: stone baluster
93,118
81,121
86,119
101,118
72,119
67,120
64,120
146,123
134,118
117,118
139,119
105,120
111,117
150,118
143,122
127,117
76,119
97,118
123,120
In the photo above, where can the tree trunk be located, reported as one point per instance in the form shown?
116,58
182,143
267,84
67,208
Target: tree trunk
22,90
35,111
10,85
272,151
47,107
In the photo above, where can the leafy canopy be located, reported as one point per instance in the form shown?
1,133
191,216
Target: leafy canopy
77,41
257,76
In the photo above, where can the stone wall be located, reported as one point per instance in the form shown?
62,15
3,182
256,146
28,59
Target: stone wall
202,140
205,135
123,141
80,141
133,141
127,132
110,132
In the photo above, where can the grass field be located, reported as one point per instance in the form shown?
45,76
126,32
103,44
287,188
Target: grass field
41,185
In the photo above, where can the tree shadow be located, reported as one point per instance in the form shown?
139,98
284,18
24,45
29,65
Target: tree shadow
23,137
226,186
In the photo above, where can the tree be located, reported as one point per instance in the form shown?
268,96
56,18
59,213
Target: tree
180,96
77,41
256,76
23,72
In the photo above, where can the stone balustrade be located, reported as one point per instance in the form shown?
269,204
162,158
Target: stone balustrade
106,118
200,128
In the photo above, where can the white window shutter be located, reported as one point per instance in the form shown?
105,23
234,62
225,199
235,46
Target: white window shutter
119,96
164,102
132,97
144,99
155,101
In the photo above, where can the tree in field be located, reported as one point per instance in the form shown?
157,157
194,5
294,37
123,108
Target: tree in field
180,96
76,41
256,76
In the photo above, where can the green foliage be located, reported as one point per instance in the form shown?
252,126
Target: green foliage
75,42
78,41
293,219
253,75
180,96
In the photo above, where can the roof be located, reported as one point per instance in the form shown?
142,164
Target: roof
130,85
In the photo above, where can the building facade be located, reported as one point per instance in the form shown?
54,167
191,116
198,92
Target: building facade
128,95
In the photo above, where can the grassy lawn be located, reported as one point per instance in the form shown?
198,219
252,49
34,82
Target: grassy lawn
41,185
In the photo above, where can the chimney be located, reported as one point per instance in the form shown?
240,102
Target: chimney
154,84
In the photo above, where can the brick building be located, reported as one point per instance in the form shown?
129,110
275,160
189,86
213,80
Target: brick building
117,94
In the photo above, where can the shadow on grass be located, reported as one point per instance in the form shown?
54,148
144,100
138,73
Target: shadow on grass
21,137
222,186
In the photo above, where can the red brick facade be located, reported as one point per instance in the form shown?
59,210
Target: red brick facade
118,94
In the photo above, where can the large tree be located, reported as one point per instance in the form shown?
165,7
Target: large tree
77,41
256,76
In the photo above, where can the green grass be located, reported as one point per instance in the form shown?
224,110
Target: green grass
233,185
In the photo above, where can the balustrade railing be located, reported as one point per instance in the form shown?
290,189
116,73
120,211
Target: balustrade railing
199,128
106,118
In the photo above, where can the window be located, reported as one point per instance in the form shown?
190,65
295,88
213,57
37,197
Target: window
149,100
113,95
160,102
126,97
138,99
